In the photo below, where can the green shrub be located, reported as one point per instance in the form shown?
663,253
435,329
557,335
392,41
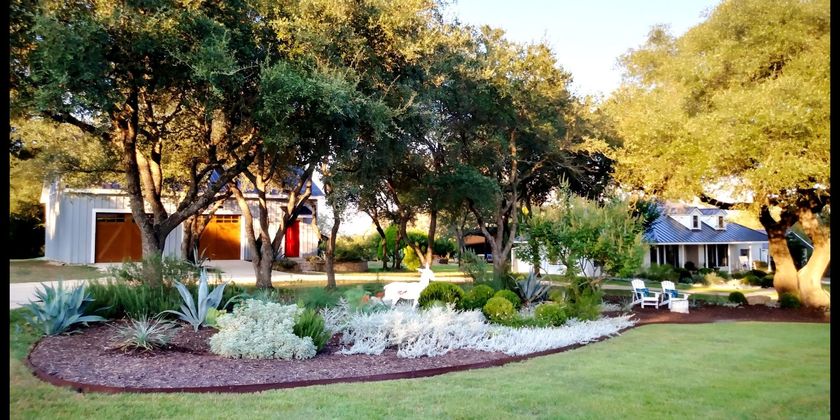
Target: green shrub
713,279
285,264
698,278
442,291
410,259
310,323
213,316
585,306
738,297
350,250
511,296
659,272
319,297
684,276
476,267
557,295
144,333
116,298
171,269
789,300
57,309
724,274
499,310
767,281
356,297
477,297
551,314
757,273
751,279
703,271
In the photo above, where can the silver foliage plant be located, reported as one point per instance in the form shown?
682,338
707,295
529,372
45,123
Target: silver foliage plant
440,329
261,330
56,309
195,312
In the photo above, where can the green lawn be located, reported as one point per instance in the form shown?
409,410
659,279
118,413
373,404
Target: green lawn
722,370
26,271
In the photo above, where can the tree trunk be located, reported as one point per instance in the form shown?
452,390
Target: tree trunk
152,248
810,276
330,255
785,279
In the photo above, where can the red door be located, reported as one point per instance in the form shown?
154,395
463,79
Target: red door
293,240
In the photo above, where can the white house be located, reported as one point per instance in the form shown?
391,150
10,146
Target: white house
91,225
686,234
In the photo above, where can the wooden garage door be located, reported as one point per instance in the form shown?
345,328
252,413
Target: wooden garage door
220,239
117,238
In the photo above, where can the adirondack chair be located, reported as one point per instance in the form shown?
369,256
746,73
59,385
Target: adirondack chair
643,296
676,301
394,292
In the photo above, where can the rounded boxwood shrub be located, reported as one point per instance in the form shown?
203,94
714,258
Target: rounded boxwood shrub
557,295
511,296
767,281
738,297
751,279
551,314
789,300
499,310
477,297
442,291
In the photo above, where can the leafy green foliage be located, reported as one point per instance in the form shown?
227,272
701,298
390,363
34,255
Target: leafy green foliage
737,297
580,231
789,301
213,315
767,281
310,323
552,314
114,298
531,289
172,270
262,330
659,272
319,297
511,297
498,309
194,311
476,267
144,334
410,259
441,291
350,250
477,297
583,299
56,309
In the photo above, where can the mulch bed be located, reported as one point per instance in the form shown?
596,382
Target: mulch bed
86,361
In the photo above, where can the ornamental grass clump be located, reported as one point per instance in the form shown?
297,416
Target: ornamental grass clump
261,330
144,334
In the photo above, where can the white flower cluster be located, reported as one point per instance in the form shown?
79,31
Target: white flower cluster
261,330
437,330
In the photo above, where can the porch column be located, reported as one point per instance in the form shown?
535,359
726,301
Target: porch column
729,258
680,256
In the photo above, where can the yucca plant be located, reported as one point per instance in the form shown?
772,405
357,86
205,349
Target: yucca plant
57,309
195,311
144,333
531,289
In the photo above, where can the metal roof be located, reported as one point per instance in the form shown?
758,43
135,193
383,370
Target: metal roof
666,230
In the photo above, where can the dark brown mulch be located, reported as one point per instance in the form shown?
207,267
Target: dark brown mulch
87,357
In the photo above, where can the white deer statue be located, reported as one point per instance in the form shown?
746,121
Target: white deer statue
408,291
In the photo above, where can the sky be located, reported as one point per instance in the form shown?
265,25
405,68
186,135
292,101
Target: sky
586,36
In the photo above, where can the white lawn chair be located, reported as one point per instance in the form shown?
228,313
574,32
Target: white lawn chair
643,296
676,301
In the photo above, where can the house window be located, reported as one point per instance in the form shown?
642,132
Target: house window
695,222
720,222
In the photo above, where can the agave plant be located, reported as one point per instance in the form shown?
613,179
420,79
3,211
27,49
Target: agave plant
144,333
532,289
195,311
57,309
